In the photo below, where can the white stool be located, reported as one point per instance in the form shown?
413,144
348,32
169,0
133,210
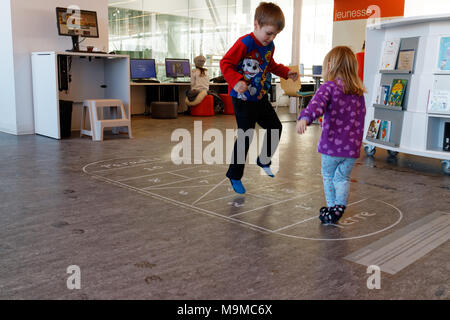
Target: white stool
98,123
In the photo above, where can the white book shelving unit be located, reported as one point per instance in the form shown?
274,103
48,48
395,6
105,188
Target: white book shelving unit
93,76
414,130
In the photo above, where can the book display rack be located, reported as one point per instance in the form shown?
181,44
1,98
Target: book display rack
408,87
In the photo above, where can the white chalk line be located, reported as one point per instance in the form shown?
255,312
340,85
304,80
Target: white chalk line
274,204
164,172
309,219
216,186
235,194
180,181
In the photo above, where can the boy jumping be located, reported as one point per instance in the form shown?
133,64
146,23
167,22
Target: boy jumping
247,68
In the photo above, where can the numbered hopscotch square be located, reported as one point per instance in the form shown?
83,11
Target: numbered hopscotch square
185,194
203,170
152,181
362,217
287,190
234,204
284,213
109,165
121,169
130,173
192,190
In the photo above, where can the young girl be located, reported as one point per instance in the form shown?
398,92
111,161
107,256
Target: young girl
341,100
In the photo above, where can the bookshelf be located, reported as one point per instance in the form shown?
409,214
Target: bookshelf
414,130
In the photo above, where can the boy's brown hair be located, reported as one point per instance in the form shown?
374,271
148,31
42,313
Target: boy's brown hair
269,13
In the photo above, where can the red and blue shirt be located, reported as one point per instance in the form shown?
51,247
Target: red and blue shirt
250,61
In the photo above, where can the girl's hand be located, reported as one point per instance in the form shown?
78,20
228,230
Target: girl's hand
241,87
293,75
301,126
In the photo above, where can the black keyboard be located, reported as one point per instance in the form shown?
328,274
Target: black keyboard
145,81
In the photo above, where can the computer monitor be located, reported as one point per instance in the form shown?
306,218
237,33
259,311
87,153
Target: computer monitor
142,69
77,23
178,68
317,70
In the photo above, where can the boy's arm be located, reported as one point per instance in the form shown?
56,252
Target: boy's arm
229,63
317,106
278,69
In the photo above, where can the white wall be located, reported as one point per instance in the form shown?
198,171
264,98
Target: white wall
352,33
34,29
422,8
8,104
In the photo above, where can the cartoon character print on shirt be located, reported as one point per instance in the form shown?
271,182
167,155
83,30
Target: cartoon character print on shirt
268,56
266,79
251,69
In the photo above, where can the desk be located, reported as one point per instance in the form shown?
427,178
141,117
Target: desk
316,78
93,75
140,101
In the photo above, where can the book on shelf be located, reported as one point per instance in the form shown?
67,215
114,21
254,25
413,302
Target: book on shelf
397,92
383,95
385,130
390,53
446,145
439,102
406,60
444,54
374,127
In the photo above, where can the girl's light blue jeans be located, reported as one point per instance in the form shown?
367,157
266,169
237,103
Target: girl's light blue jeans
336,179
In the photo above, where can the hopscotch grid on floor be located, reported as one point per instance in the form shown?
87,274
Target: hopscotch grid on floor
192,206
233,218
181,204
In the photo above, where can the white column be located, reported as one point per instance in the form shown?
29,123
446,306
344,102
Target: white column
296,34
8,118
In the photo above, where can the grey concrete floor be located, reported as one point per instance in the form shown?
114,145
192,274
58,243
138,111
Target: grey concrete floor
61,205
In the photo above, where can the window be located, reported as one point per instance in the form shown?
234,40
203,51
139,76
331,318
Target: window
317,32
187,28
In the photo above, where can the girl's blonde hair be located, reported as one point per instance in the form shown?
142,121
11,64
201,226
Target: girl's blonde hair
341,62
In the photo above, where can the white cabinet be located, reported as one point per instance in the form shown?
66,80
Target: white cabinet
91,76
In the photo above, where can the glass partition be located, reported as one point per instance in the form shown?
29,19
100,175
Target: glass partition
187,28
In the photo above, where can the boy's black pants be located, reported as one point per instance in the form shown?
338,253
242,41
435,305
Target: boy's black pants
248,113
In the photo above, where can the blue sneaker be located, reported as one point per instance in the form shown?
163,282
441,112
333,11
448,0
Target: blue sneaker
268,171
266,168
237,186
